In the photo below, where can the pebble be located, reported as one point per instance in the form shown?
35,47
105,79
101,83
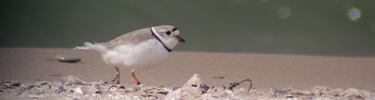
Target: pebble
67,58
122,87
218,77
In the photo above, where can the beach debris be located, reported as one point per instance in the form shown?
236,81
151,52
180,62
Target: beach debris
78,91
192,89
122,87
33,97
67,58
113,88
73,88
196,81
55,74
72,80
323,92
16,84
9,84
230,86
218,77
319,90
164,92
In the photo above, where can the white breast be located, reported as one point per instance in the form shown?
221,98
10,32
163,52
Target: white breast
144,55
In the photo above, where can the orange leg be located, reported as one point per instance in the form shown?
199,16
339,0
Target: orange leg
135,78
117,78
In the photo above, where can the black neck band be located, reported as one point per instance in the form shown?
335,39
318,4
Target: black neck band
152,32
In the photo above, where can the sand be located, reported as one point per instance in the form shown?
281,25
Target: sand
267,71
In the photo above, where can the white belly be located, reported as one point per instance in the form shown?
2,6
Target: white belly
144,55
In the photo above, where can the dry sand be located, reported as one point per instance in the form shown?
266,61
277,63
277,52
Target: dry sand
267,71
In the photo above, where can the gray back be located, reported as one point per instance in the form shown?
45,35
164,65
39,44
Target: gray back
134,37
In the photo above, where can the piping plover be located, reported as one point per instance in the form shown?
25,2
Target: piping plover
142,48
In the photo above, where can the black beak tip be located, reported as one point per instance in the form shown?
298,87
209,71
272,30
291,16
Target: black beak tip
182,40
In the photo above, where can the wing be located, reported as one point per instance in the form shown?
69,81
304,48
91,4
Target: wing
134,37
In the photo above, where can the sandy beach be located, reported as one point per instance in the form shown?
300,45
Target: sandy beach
266,71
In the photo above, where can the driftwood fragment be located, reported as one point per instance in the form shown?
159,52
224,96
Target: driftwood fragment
230,86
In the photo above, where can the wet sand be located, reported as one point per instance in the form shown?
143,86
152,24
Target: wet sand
265,70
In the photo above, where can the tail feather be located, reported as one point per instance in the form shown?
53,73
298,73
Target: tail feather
88,46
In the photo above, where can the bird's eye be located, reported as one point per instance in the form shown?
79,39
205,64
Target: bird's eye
168,32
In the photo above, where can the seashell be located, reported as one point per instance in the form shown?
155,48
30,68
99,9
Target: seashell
122,87
33,97
16,83
67,58
60,89
175,88
150,96
194,81
132,89
113,88
304,92
165,92
35,91
289,96
78,91
43,83
128,91
70,80
98,92
153,97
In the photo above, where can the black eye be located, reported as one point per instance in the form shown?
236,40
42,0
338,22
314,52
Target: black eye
174,29
168,32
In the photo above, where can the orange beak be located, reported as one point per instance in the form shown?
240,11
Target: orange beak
180,39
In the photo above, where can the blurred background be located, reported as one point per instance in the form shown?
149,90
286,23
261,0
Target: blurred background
301,27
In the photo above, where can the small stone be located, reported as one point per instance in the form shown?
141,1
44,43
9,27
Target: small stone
98,92
16,83
152,97
175,88
67,58
165,93
122,87
128,91
132,89
218,77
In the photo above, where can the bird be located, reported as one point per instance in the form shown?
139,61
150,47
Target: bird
139,49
